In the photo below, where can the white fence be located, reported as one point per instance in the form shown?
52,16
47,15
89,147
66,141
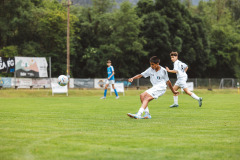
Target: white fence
9,82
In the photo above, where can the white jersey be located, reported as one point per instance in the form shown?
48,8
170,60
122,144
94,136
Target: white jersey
157,78
180,68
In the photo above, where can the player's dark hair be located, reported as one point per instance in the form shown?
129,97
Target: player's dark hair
174,54
155,59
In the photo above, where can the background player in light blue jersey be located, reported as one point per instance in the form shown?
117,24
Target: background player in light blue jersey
110,80
180,69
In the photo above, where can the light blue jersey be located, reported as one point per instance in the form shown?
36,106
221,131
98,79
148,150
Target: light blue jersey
110,72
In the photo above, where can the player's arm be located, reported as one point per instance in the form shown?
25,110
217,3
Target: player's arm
186,69
171,71
111,74
170,86
135,77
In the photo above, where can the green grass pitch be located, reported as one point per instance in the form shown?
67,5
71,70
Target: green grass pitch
36,126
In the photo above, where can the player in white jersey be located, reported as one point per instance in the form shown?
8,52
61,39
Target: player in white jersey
159,78
180,69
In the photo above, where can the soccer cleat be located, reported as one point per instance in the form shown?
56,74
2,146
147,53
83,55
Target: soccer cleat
200,101
146,116
137,116
103,97
174,105
117,97
131,115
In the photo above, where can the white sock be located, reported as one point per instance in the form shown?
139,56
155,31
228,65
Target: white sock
146,110
175,98
195,96
140,111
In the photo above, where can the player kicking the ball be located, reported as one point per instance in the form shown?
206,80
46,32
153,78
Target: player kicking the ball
159,78
110,80
180,69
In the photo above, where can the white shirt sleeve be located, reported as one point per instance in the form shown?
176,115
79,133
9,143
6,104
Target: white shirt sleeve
184,65
166,78
112,68
146,73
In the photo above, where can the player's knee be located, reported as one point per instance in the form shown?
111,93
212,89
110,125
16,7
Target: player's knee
188,92
142,95
106,86
147,98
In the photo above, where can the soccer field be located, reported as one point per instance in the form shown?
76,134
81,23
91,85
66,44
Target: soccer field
36,126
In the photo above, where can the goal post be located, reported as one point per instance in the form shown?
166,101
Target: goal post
226,83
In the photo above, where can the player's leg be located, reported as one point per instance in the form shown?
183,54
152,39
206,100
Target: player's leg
175,97
153,92
116,93
147,98
186,90
105,90
106,86
142,96
194,96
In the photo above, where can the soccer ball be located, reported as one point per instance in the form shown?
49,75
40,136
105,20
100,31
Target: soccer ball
62,80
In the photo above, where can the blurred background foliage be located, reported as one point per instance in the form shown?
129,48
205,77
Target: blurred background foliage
207,35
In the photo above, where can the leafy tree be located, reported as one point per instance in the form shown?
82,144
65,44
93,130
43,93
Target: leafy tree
168,27
52,26
92,27
51,31
224,36
207,35
145,7
103,6
234,6
37,28
187,3
108,35
124,46
14,21
9,51
156,32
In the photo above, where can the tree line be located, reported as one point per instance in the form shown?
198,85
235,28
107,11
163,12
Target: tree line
206,36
